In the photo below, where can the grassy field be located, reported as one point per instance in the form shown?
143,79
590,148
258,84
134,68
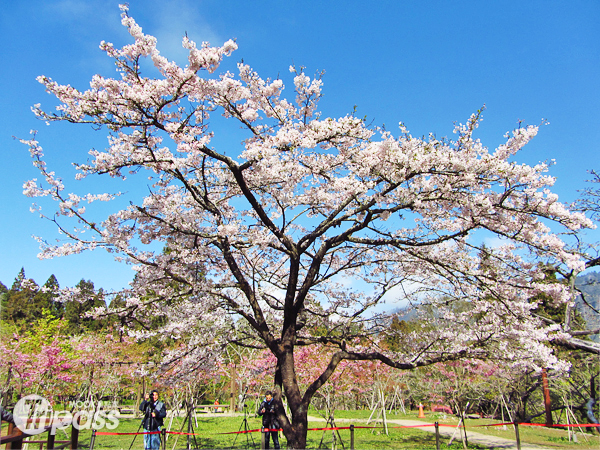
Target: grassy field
550,438
211,435
212,431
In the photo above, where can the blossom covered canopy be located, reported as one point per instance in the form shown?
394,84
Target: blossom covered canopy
316,220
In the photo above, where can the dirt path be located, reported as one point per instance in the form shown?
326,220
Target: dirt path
491,442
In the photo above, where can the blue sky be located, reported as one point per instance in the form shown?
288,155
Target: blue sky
425,63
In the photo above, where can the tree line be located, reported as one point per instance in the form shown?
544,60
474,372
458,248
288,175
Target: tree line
25,302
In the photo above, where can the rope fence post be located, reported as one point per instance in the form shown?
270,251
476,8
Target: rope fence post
93,439
189,429
464,429
163,439
262,438
437,435
351,437
516,425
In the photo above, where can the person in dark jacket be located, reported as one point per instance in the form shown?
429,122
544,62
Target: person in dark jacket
154,412
268,410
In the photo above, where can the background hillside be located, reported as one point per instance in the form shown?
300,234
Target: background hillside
589,304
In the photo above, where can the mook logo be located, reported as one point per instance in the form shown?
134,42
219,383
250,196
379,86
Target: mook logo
33,415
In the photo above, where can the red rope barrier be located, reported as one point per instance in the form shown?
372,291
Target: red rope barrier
492,425
246,431
586,425
181,432
416,426
106,433
558,425
329,429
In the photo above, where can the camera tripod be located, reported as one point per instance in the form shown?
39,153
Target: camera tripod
244,424
190,407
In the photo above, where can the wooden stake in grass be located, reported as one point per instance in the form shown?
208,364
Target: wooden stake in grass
516,425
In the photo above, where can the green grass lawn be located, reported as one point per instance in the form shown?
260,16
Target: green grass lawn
212,431
550,438
211,435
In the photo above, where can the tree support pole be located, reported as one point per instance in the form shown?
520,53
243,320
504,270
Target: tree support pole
464,427
232,392
189,429
93,440
516,425
547,404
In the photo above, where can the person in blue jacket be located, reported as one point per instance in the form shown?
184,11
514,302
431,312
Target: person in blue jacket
154,412
268,410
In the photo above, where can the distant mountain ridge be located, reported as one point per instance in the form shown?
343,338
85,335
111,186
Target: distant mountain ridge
589,285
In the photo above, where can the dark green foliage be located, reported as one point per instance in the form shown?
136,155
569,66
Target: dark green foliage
75,311
56,308
396,332
23,303
16,286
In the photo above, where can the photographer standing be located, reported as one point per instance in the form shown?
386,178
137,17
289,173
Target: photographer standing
154,412
268,411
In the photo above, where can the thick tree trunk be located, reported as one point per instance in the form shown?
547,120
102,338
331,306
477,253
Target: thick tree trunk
296,436
294,428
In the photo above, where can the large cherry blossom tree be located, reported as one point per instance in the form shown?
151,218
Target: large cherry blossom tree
298,237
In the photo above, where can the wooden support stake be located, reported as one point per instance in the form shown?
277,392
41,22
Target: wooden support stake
189,429
93,440
516,424
233,390
547,403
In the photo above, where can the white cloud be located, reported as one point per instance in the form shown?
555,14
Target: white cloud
172,20
90,22
495,241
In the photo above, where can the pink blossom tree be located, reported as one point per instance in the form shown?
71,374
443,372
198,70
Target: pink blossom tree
37,360
46,359
311,225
